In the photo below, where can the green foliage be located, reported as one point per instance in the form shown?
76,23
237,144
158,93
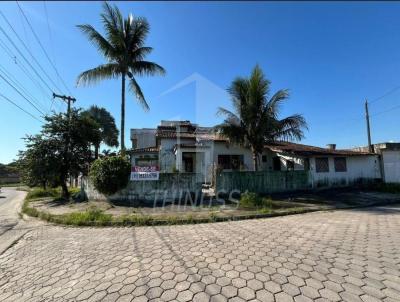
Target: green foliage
106,125
255,119
124,51
110,174
61,149
249,200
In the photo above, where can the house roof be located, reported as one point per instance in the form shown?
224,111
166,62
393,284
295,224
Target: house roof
306,150
154,149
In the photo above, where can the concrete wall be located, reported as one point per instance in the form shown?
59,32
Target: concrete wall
170,186
358,168
391,166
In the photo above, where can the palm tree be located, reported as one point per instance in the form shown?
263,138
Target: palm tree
255,120
108,129
124,50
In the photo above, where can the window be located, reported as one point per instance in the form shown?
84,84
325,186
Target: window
264,159
321,164
230,162
340,164
290,165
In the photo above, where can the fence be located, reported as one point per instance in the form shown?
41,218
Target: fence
170,186
262,182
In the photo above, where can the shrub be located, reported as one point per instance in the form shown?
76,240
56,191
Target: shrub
110,174
250,200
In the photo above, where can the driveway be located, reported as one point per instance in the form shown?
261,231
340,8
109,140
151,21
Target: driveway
351,255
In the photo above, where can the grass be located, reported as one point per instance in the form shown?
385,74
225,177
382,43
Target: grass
36,193
262,207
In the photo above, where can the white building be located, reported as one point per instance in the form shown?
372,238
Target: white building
390,160
186,147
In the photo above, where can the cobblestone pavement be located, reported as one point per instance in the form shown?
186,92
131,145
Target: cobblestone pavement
331,256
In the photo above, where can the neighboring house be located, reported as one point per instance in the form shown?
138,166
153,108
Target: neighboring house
186,147
390,160
327,166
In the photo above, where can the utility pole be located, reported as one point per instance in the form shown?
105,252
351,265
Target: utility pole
370,148
66,165
67,99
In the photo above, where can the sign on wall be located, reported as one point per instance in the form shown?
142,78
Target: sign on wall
145,173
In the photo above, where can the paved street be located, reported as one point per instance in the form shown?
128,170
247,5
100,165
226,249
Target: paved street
331,256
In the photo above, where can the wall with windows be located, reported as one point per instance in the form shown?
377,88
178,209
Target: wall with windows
223,152
339,170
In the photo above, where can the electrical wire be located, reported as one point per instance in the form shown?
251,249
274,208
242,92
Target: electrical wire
19,107
43,49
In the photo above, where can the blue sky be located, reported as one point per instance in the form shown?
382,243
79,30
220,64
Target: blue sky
330,55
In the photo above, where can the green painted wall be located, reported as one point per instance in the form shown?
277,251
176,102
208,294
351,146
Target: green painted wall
262,182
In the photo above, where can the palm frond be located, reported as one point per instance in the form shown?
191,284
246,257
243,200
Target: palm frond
290,128
146,68
113,23
99,73
97,40
273,105
135,88
140,53
229,115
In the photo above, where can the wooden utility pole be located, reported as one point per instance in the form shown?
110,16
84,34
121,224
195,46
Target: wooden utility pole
67,99
370,148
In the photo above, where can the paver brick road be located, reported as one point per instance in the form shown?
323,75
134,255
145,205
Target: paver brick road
331,256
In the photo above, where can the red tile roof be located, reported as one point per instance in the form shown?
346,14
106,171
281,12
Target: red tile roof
299,149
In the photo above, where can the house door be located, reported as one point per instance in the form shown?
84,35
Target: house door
276,162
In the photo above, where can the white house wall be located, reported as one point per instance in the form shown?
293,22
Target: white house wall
391,166
365,167
222,148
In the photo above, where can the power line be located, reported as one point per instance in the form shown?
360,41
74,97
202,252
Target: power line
385,95
27,49
16,89
385,111
25,59
19,85
44,50
22,109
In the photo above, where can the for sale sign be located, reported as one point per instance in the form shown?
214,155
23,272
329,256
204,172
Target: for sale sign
145,173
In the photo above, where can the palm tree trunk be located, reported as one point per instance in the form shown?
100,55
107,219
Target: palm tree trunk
255,160
123,115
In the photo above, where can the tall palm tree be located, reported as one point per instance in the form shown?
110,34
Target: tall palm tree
106,123
124,50
255,119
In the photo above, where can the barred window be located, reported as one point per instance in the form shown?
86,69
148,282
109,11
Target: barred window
340,164
321,164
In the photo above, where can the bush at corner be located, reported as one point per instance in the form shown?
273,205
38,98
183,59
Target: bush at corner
110,174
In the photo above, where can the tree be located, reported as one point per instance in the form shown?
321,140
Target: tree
255,119
62,149
124,50
38,164
106,125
